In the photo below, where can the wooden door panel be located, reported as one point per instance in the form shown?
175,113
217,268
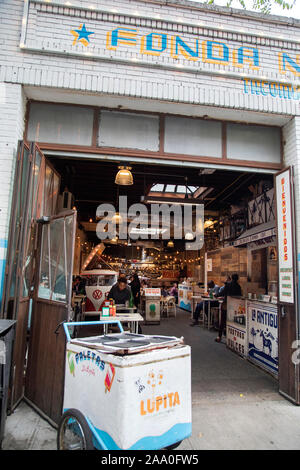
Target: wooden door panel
45,369
19,353
288,372
51,306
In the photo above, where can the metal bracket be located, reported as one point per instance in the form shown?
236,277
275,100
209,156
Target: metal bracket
43,220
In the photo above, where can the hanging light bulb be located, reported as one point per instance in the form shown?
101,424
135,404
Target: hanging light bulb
117,218
189,236
170,244
124,176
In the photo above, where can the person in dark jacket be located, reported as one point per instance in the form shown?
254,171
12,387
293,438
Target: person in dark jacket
231,289
120,292
135,286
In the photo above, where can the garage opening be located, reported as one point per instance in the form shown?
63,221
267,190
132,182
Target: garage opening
239,239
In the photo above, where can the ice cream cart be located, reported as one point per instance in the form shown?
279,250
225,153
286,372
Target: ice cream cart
125,391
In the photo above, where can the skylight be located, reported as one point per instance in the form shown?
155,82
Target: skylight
173,188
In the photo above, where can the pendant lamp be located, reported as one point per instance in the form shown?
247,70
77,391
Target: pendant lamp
124,176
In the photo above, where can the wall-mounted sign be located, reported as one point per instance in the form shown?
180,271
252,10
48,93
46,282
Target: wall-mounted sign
263,335
209,264
285,237
170,274
152,291
141,39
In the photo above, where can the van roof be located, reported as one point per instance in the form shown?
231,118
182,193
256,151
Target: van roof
98,272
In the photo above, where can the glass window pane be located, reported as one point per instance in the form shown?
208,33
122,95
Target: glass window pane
69,234
20,205
158,188
44,290
60,124
254,143
51,188
203,138
28,261
91,280
129,130
106,280
181,189
58,267
35,187
170,188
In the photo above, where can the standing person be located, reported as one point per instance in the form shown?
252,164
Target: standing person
78,286
120,292
135,286
164,291
231,288
213,290
174,292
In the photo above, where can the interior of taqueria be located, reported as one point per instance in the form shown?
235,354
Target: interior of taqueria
239,246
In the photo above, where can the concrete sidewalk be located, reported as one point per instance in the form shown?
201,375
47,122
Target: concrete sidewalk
235,404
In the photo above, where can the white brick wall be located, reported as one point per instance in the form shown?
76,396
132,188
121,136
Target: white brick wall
291,146
49,27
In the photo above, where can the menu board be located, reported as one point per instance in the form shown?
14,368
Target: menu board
285,237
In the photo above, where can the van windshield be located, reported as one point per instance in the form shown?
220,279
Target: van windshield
100,280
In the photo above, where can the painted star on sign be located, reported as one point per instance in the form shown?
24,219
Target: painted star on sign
81,35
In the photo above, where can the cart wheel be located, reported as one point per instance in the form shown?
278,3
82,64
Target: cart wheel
173,446
74,432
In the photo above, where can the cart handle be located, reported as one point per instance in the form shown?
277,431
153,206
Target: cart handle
86,323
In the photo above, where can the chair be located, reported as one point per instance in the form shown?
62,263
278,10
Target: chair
215,317
202,316
171,306
163,307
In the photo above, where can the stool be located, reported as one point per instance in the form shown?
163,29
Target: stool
164,308
214,311
171,307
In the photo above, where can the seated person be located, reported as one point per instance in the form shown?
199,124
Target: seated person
120,292
213,289
222,289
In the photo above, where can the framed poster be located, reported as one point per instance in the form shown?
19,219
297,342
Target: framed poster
285,237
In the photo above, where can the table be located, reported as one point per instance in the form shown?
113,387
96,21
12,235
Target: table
209,300
132,318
